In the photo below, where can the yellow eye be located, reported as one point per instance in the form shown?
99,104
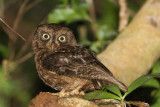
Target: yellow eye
62,39
46,36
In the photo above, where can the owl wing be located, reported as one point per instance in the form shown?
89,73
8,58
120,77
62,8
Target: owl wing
81,63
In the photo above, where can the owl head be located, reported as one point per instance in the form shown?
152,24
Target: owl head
52,37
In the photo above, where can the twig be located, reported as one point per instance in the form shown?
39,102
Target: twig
12,39
2,22
91,9
123,15
1,8
21,12
28,42
24,47
137,103
93,17
24,58
32,5
19,15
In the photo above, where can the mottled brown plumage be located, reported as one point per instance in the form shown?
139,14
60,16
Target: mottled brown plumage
66,67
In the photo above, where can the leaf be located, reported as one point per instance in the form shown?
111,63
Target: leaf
139,82
5,85
64,1
84,42
156,103
64,13
100,95
105,34
152,83
3,102
3,51
156,95
109,15
156,67
97,46
113,88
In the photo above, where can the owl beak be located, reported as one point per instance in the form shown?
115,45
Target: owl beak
52,48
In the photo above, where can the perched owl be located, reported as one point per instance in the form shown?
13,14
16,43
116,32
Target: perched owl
66,67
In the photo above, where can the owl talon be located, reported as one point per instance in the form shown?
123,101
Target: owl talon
66,94
82,93
61,94
55,94
76,92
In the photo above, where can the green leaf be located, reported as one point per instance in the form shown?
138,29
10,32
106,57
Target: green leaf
139,82
156,95
5,85
3,102
68,14
109,14
156,67
100,95
84,42
113,88
97,46
156,104
64,1
65,14
105,34
152,83
3,51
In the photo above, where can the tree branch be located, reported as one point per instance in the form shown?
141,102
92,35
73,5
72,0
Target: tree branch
123,15
136,49
6,27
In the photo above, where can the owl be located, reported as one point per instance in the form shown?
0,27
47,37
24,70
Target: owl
65,66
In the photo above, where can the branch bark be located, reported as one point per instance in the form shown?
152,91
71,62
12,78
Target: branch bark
45,99
123,15
135,50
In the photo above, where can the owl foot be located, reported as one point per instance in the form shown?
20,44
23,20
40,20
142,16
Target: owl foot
76,92
62,94
66,94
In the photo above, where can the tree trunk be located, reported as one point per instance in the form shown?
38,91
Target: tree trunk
135,50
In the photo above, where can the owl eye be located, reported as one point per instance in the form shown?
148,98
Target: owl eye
62,39
46,36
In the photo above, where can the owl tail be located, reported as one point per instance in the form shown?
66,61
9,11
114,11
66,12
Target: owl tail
100,83
122,86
